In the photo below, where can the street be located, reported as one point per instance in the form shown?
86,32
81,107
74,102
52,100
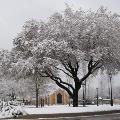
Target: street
115,116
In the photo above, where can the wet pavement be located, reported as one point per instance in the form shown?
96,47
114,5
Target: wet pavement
115,116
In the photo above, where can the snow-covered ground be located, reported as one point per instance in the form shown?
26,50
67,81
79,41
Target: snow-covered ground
9,110
66,109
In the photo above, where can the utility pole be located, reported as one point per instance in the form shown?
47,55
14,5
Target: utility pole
88,92
69,89
85,92
97,96
48,100
69,96
84,85
111,99
109,89
83,95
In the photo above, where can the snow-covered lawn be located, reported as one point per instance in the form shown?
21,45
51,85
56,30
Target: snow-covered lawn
66,109
8,111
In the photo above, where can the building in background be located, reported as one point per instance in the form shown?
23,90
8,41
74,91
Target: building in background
57,97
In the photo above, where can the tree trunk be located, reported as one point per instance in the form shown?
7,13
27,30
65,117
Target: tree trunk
37,92
75,98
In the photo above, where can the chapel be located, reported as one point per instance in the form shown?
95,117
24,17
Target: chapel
59,96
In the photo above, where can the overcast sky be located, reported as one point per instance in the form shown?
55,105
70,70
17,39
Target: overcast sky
14,13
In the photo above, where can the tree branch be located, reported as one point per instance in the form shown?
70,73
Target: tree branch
96,68
90,64
65,83
67,68
76,68
65,88
97,63
84,78
64,71
91,68
59,80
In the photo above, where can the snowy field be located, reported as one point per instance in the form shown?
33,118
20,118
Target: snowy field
66,109
9,110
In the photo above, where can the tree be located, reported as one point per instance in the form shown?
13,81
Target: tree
10,87
66,40
28,70
27,61
5,63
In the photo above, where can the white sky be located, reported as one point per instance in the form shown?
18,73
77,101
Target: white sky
14,13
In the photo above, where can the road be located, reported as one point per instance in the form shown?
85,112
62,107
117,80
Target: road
115,116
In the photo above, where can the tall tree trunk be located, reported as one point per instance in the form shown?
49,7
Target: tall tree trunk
75,98
37,93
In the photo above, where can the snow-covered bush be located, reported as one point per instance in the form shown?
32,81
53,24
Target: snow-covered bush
11,109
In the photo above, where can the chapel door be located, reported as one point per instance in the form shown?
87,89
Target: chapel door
59,99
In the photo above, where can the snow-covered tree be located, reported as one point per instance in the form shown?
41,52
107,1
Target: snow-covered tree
5,63
68,39
27,61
